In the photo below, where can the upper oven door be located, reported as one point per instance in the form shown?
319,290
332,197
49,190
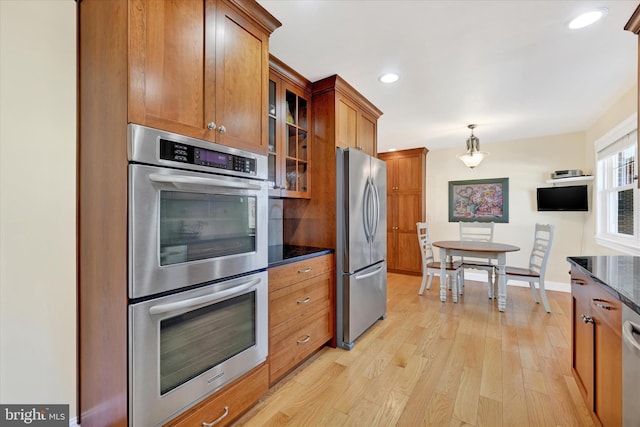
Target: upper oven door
188,228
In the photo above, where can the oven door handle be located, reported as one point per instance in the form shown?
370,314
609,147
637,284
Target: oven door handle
181,181
192,302
628,329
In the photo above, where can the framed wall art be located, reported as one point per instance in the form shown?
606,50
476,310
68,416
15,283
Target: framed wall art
482,200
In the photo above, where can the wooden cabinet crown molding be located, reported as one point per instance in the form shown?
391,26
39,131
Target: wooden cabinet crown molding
283,70
336,82
259,14
403,153
633,24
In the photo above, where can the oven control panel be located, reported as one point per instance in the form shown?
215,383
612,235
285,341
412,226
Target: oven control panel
184,153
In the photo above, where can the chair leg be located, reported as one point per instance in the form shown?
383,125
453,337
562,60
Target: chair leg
543,294
532,285
459,283
424,282
429,282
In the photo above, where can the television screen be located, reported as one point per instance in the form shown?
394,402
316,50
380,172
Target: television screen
570,198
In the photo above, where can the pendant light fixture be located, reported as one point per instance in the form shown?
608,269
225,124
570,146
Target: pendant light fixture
473,156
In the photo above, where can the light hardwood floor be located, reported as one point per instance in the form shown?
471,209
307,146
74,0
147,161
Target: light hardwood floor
439,364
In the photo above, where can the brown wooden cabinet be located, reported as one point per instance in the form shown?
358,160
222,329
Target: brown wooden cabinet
340,116
350,115
164,65
300,312
289,132
229,403
597,348
199,68
633,25
406,176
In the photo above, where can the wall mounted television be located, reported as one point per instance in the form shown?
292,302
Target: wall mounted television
568,198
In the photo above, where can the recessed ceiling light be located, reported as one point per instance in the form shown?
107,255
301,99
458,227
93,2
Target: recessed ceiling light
587,18
389,78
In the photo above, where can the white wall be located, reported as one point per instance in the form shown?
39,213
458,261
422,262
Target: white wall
527,164
37,202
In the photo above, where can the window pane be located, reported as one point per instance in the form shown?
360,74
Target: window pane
624,166
625,212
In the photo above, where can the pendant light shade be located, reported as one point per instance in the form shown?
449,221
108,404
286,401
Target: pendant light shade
473,156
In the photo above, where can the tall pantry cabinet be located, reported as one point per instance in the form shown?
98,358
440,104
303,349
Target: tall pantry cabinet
406,200
198,68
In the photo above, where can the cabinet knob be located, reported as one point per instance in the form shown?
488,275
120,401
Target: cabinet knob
222,129
587,319
359,147
211,125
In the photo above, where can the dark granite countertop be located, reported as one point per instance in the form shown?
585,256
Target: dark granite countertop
621,274
285,254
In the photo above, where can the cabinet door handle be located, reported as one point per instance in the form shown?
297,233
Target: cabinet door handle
222,129
211,125
305,270
598,303
305,339
587,319
217,420
304,301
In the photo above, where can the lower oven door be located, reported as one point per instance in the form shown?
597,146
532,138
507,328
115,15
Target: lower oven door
630,367
184,346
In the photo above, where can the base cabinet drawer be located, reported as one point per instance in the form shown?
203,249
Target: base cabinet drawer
296,343
229,403
288,274
301,312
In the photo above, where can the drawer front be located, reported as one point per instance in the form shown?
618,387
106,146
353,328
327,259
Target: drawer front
606,308
299,341
603,306
232,400
300,299
285,275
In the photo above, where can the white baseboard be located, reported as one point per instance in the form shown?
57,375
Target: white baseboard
550,286
73,422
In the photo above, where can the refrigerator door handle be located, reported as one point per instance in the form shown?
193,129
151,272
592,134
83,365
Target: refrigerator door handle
373,273
376,210
366,220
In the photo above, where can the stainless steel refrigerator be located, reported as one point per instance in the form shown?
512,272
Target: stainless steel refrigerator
361,248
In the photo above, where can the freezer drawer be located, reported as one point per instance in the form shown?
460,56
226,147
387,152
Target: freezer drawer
364,298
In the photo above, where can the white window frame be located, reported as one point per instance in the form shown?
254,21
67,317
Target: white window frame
623,243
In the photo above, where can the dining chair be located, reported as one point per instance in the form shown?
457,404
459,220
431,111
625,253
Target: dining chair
478,232
430,266
542,240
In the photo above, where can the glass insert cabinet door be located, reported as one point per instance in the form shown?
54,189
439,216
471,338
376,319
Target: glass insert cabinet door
289,140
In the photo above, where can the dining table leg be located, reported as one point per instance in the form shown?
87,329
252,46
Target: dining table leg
444,255
502,282
443,275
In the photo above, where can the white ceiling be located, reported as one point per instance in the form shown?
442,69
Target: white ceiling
511,67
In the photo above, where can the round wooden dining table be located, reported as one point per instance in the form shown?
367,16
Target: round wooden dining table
497,251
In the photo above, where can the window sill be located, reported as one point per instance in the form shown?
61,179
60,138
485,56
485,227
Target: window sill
624,247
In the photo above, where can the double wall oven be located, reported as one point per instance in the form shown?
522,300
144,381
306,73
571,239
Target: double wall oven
197,270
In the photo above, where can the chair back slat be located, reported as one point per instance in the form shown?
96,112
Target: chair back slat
541,248
426,249
476,231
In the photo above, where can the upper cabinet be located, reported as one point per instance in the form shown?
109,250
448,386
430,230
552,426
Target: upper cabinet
289,132
352,117
200,68
633,25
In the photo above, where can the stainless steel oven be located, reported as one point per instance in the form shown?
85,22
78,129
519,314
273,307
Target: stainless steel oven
197,212
186,345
